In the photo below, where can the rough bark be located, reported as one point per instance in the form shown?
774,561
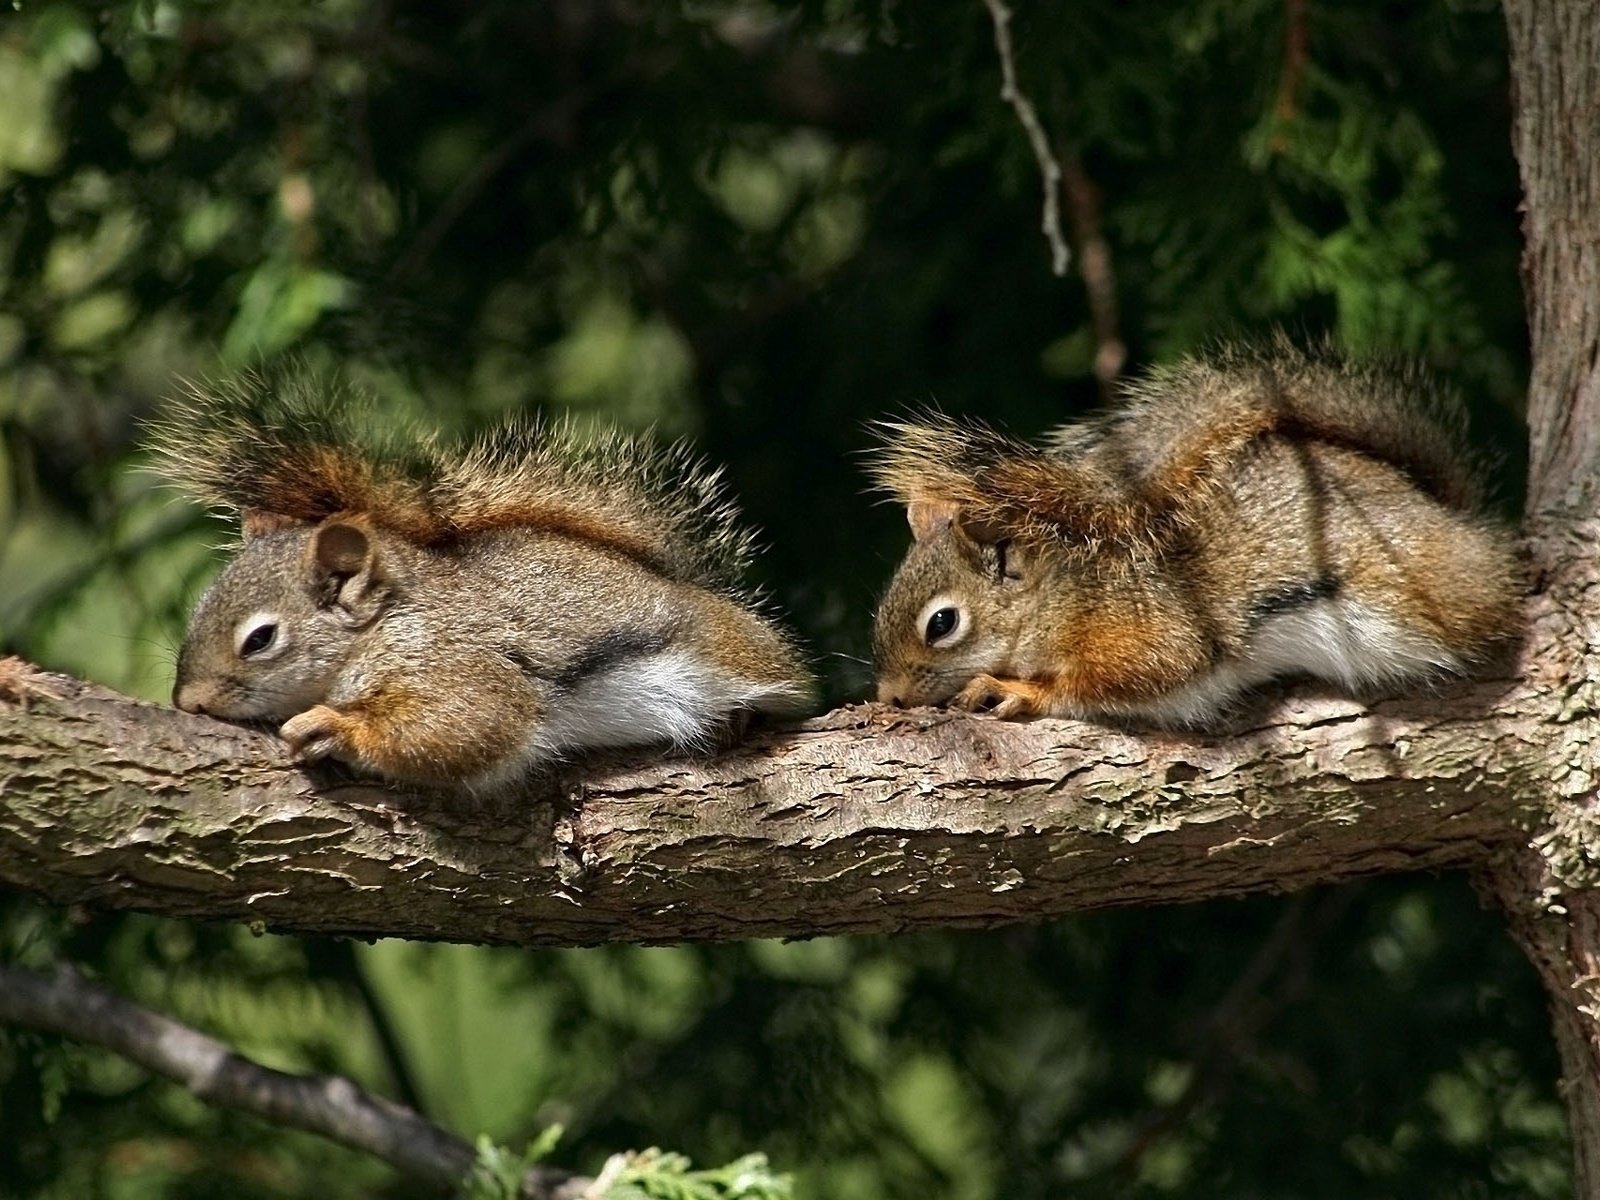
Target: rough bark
1555,71
1547,884
864,820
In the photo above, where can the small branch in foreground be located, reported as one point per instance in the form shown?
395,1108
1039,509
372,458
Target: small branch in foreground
1048,166
66,1003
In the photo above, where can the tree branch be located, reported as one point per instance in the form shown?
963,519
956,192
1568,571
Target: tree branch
64,1002
864,820
1548,885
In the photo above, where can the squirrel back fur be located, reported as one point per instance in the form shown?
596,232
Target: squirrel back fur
298,447
1131,478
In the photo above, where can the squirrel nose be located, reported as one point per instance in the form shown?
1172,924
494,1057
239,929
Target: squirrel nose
888,694
190,697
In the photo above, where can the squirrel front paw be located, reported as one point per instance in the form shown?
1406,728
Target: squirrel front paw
319,732
1012,699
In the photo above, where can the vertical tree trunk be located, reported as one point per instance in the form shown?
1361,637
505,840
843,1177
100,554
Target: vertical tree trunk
1555,74
1549,888
1564,944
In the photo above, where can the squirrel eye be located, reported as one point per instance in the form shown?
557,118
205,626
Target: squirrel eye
259,639
942,624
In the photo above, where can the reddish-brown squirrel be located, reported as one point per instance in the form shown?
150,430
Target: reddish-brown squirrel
1253,514
458,616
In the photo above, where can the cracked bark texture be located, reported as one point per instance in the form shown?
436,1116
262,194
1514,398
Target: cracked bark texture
1547,884
864,820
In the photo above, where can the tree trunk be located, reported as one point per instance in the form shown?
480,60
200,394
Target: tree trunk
1547,886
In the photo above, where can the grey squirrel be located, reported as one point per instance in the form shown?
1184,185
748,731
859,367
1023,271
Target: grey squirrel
1255,513
457,616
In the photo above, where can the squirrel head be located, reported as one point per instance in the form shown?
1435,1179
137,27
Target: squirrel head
269,635
955,608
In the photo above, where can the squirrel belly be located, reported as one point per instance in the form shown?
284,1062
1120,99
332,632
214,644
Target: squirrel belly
1360,649
458,618
619,656
1232,522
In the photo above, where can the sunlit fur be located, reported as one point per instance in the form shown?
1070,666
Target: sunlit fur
1254,514
302,447
457,617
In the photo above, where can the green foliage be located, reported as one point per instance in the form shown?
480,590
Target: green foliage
657,1175
497,1173
758,226
638,1175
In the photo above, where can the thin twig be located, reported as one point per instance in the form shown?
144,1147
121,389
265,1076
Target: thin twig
1049,168
330,1106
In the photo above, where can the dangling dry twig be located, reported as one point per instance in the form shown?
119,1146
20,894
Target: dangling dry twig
1048,166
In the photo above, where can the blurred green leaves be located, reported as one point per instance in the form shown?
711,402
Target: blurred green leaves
279,303
497,1173
59,40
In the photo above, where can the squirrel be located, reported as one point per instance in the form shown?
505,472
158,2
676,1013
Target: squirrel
456,616
1259,512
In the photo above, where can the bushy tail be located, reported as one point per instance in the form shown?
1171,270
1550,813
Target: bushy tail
297,446
1135,475
658,503
1001,483
1180,422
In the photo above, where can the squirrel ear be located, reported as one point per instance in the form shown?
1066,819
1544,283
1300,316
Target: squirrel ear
990,547
253,522
984,532
340,548
928,518
345,568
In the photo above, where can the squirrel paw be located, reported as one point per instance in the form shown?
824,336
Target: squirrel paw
318,733
1011,699
19,683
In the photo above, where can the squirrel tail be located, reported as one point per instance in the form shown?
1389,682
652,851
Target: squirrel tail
656,502
296,446
292,446
1181,422
1135,474
998,482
